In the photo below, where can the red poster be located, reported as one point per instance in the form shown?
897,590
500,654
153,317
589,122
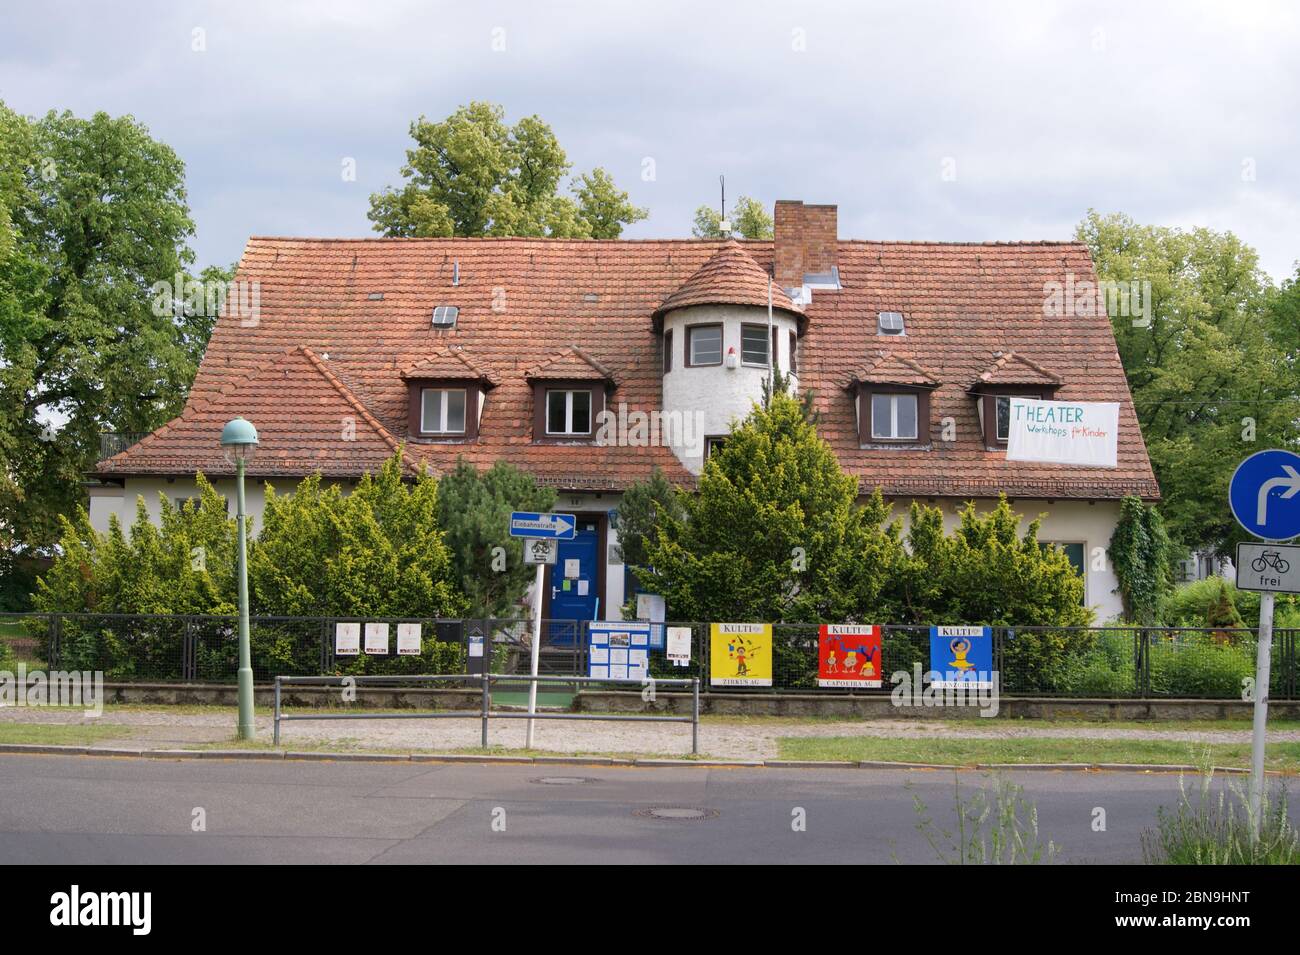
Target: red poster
848,655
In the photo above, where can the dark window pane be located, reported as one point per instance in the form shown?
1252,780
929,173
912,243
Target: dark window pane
906,406
581,412
555,411
455,410
1004,416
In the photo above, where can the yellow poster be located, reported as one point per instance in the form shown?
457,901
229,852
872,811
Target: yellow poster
740,654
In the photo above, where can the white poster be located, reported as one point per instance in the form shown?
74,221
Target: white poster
679,645
408,639
347,639
1083,433
377,639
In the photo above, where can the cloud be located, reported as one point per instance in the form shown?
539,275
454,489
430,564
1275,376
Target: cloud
1043,110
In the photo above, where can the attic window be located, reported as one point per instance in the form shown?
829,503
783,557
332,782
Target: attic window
444,316
376,296
890,323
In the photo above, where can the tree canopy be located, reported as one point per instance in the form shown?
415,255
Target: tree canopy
749,219
472,174
1211,372
93,213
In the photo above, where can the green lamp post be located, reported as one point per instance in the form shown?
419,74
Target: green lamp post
238,442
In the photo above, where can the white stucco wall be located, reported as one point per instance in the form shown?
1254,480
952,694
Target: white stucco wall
106,501
1063,522
713,396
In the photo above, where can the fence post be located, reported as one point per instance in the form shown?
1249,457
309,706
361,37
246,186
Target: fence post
55,628
695,716
189,654
1142,663
277,712
485,704
324,645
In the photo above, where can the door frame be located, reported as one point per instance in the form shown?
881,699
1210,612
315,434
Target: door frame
602,534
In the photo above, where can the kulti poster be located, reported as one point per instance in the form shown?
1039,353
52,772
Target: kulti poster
961,656
740,654
848,655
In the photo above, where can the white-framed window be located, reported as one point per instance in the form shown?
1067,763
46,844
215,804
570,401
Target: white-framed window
754,345
568,412
713,444
893,416
442,411
704,344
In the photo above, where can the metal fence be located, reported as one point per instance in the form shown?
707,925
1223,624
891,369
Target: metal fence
484,713
1080,662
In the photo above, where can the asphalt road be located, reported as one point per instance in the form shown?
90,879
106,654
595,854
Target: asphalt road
90,810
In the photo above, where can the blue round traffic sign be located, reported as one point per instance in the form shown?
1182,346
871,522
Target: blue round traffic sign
1265,495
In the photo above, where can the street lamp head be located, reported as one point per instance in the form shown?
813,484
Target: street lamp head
238,440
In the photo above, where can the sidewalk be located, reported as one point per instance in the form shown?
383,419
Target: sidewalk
754,738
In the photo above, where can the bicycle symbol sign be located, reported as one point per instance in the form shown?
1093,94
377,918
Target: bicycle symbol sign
1273,568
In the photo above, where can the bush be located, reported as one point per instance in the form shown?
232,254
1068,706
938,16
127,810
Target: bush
1105,671
1196,666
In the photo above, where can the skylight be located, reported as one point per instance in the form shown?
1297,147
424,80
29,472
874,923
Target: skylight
890,323
444,316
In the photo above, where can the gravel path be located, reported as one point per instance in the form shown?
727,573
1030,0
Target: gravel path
747,739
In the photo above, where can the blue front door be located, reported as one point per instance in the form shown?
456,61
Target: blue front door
573,580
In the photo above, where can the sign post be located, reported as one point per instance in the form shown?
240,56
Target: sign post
1262,495
544,527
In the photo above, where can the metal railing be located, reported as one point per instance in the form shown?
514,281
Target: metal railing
484,713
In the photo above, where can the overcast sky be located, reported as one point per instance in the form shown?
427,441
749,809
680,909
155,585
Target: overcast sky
1179,114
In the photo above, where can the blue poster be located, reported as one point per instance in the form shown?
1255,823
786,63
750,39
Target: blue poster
618,650
961,656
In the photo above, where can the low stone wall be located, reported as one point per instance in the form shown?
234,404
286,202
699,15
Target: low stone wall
736,704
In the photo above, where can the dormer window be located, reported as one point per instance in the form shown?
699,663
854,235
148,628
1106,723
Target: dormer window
892,397
1011,375
442,411
447,395
894,416
890,323
568,413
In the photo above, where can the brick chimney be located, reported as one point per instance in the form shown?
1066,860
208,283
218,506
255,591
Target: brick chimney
806,240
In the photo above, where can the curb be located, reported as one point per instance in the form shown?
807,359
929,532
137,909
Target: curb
44,749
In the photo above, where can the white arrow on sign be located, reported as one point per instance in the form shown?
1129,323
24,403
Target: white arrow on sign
1292,484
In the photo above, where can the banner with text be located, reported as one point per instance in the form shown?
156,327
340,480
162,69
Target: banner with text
1084,433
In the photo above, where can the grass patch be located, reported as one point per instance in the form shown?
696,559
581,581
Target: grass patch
968,752
60,734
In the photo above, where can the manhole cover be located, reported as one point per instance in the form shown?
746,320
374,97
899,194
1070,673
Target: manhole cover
563,780
677,812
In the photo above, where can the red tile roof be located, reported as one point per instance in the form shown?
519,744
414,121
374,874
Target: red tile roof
573,363
450,362
1011,368
307,420
729,277
893,369
524,301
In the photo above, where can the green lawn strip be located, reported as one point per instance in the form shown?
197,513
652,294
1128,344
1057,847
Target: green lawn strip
968,752
61,734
